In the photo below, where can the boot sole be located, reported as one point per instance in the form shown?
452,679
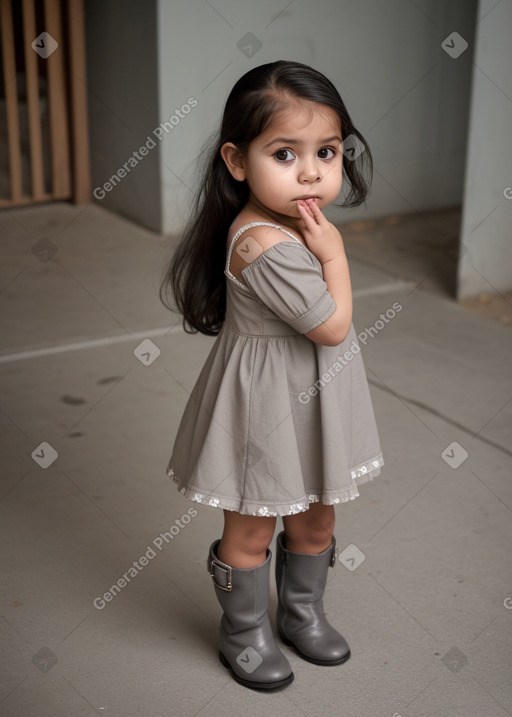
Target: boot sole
314,660
264,686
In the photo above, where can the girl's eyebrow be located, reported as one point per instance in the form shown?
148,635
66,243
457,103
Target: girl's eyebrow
284,140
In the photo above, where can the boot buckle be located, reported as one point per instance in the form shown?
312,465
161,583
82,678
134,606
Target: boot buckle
222,572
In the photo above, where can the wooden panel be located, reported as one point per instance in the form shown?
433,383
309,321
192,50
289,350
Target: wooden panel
80,128
11,99
66,93
59,129
34,118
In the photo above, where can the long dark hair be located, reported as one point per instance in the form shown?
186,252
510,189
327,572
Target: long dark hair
195,274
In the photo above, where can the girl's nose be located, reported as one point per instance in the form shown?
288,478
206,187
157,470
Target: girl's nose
309,172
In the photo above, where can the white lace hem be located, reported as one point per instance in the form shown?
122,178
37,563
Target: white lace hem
363,473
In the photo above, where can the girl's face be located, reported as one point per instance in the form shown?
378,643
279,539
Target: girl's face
298,156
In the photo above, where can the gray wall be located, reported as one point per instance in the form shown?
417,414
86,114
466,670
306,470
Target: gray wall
122,86
486,233
152,63
408,97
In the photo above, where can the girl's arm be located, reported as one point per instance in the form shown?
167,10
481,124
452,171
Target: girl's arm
326,243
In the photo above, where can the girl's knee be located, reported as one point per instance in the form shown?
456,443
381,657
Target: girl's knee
314,527
251,535
321,517
257,539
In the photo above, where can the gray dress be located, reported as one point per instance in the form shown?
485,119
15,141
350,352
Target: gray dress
276,421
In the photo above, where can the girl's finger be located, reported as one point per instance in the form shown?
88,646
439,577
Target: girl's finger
310,225
315,209
311,229
306,211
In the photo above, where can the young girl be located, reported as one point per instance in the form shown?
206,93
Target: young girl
280,420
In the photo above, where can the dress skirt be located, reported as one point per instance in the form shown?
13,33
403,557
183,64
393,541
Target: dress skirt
275,421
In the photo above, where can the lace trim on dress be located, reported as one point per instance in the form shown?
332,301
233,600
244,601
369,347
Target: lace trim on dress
362,473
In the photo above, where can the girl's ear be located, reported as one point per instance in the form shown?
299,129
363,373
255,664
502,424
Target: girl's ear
234,160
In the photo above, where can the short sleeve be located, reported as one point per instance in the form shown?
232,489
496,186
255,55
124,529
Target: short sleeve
289,282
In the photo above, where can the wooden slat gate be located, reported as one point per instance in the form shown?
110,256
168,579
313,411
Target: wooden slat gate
44,149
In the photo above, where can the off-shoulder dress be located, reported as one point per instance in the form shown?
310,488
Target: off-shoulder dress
275,421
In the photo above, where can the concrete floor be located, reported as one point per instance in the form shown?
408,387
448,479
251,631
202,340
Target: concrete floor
427,613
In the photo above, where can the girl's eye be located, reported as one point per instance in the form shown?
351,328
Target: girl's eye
281,155
323,153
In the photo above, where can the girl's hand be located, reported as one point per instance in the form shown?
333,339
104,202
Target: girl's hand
322,237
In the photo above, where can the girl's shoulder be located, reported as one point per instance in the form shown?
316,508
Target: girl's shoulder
253,241
268,232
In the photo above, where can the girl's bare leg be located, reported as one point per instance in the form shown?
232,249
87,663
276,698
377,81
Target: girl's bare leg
311,531
245,539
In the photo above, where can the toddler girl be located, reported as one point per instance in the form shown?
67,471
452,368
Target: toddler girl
280,420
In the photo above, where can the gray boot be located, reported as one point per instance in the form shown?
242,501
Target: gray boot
301,621
247,643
